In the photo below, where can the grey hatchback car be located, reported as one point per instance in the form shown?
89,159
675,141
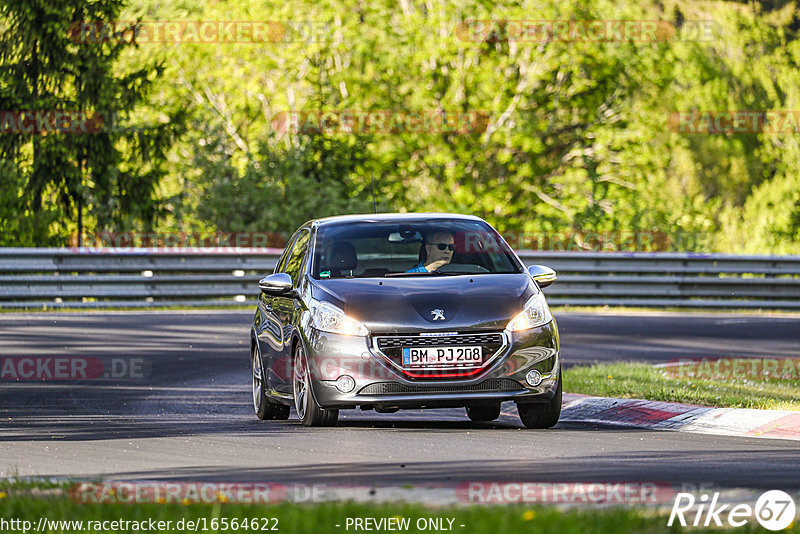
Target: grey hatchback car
399,311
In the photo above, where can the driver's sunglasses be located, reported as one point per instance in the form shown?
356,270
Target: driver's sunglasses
443,246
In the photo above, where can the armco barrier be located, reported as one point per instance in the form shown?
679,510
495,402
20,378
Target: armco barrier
671,279
101,278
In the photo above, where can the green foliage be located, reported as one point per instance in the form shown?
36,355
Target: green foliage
281,188
577,142
17,229
109,173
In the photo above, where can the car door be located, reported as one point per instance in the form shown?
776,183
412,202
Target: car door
286,310
268,328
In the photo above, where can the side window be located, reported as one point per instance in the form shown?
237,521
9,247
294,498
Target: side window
280,267
295,262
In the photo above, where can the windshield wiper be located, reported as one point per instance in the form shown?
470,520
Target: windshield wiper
425,273
440,273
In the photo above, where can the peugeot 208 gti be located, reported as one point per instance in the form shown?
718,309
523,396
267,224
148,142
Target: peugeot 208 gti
396,311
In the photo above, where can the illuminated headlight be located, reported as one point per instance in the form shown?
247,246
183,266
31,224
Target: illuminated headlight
535,313
328,318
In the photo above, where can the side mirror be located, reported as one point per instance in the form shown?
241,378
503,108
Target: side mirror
543,275
276,284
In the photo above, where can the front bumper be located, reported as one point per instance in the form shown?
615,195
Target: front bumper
379,384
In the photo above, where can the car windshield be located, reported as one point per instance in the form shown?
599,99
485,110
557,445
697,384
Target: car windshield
410,248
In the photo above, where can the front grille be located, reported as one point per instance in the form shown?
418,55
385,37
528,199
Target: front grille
397,342
392,347
395,388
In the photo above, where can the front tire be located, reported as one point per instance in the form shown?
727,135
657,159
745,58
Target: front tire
265,409
543,414
483,413
309,412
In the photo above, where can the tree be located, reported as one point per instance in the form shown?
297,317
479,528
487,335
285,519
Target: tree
55,62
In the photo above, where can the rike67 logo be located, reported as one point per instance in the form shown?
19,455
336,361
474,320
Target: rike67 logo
774,510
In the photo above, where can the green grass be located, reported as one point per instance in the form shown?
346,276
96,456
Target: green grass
322,518
643,381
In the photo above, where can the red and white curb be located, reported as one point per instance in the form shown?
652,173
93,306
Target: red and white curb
658,415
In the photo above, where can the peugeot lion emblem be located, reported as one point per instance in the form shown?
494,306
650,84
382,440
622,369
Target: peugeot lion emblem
438,315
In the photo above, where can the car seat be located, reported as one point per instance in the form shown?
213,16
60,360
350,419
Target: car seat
341,260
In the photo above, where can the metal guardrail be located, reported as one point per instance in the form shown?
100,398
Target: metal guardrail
671,279
103,278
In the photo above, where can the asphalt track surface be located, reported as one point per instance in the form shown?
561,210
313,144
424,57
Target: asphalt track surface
191,419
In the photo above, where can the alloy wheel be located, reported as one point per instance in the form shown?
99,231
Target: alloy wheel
257,380
300,383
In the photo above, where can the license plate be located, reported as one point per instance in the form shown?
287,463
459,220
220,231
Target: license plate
439,357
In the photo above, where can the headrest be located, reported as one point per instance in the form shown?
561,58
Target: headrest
342,257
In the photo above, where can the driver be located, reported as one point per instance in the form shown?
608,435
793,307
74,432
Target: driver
436,250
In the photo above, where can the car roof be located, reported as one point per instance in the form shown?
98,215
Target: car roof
387,217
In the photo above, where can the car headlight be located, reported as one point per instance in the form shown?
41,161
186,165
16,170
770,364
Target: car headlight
329,318
534,313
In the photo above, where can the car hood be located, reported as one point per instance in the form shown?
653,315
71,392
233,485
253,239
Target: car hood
429,303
